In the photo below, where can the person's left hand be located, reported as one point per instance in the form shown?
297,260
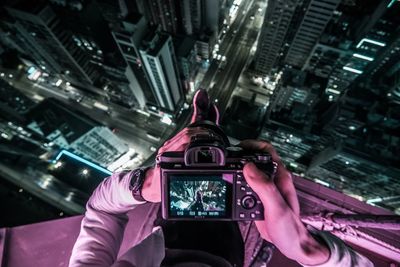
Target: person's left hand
151,190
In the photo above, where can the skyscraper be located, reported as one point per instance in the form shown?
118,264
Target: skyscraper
186,57
159,60
161,12
339,86
40,34
276,23
343,168
200,15
315,19
129,37
349,46
191,16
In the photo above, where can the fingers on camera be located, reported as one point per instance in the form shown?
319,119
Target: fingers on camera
259,145
181,140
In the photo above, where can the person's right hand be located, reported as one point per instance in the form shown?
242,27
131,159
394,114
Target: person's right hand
282,225
151,190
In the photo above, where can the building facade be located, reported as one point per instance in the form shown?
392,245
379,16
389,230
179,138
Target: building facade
40,34
277,21
159,61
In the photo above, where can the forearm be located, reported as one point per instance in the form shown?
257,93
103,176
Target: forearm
283,227
341,255
99,239
104,222
301,246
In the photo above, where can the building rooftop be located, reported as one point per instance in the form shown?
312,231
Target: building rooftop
153,42
52,115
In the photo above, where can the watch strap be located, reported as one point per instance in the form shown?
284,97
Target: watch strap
136,184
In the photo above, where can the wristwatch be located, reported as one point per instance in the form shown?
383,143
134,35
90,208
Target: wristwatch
137,180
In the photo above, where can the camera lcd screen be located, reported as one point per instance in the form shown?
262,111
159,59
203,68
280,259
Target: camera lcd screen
198,196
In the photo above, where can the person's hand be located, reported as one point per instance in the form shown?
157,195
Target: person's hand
282,225
151,190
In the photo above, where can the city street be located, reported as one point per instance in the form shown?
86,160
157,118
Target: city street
236,47
131,126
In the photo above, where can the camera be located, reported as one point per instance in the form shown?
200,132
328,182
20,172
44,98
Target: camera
206,182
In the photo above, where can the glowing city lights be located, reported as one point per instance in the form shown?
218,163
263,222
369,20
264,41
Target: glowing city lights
82,160
366,40
58,164
59,82
391,3
363,57
352,70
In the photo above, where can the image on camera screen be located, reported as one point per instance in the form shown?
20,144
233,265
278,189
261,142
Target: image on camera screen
197,196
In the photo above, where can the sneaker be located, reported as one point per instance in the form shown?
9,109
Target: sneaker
203,108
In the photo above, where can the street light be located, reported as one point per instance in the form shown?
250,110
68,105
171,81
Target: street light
58,164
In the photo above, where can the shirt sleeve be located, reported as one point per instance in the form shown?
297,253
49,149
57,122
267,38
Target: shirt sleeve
340,254
104,222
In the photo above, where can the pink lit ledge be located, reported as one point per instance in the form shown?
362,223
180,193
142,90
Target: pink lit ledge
50,243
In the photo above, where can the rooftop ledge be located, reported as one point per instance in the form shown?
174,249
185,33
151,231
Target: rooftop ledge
50,243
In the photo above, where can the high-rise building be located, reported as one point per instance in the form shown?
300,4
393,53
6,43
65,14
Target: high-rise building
357,173
293,146
295,97
158,58
276,23
191,11
161,12
40,34
113,11
186,16
205,44
129,37
350,47
58,123
200,15
315,19
186,56
75,132
99,145
342,93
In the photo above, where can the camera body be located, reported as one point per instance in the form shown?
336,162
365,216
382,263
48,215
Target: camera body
206,182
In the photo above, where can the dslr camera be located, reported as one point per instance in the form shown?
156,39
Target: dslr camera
206,182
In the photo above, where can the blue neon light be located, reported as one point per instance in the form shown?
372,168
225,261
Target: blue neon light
370,41
391,3
80,159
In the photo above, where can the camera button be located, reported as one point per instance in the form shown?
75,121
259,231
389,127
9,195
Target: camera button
252,215
243,188
248,202
241,215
